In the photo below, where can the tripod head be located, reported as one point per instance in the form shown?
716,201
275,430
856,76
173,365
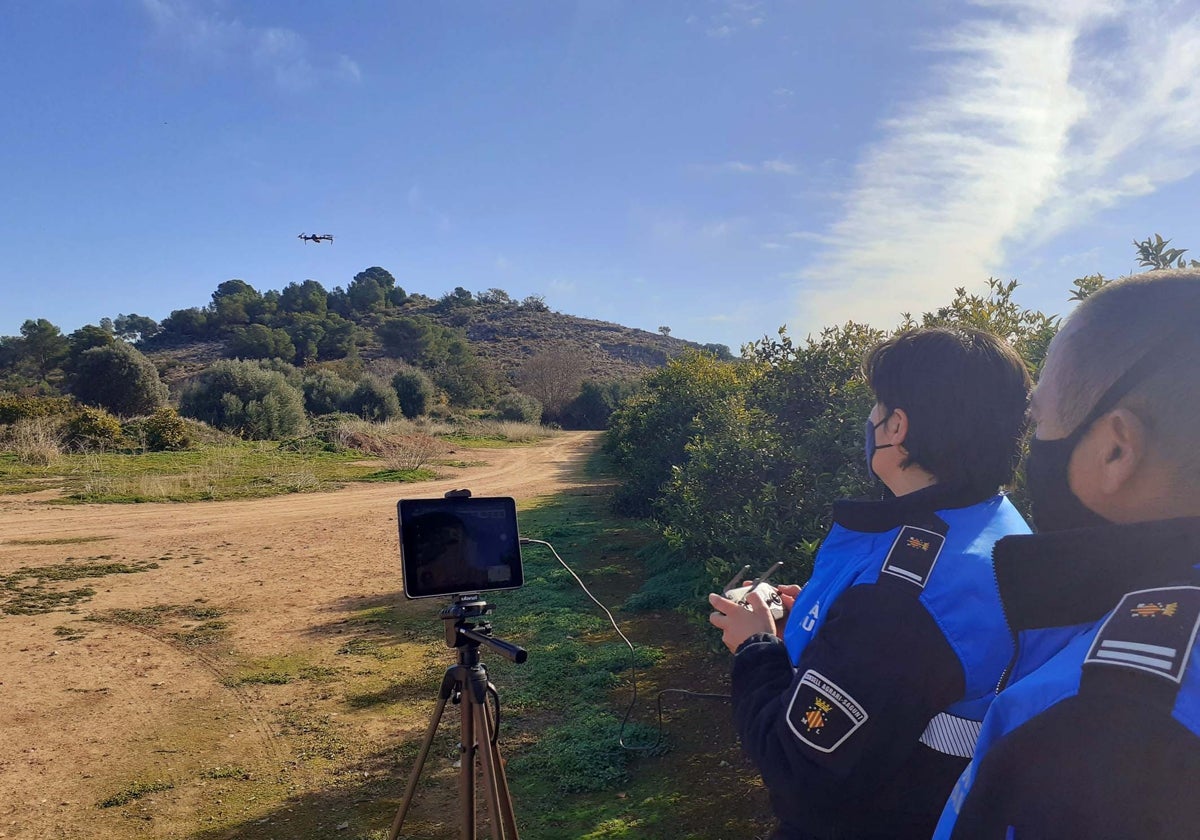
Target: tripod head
467,634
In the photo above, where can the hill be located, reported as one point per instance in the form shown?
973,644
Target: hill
360,349
497,329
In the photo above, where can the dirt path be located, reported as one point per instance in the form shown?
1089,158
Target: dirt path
87,706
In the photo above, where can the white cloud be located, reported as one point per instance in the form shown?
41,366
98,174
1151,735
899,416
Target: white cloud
729,18
741,167
1041,115
204,34
780,167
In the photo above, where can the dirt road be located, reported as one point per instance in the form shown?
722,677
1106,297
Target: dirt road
91,709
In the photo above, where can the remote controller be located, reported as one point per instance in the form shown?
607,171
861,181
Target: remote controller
768,592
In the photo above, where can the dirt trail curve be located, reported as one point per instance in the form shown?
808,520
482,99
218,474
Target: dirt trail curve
81,717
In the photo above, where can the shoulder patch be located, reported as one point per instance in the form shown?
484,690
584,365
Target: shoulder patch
821,714
1151,630
913,555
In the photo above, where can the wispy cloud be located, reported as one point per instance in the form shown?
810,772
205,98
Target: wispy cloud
1040,115
205,34
775,166
726,18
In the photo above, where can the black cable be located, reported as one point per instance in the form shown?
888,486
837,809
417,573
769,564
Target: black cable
632,664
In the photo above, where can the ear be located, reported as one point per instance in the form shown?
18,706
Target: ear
896,427
1120,440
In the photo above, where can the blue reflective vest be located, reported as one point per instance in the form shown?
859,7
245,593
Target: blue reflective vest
1098,734
958,590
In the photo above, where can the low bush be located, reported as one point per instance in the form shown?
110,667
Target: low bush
410,452
518,407
166,431
372,399
248,399
14,408
325,392
92,429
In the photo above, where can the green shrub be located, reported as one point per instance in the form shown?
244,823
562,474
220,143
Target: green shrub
414,391
372,399
14,408
247,399
648,436
325,391
518,407
166,431
93,428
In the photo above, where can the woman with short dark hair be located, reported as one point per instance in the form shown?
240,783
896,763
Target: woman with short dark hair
863,715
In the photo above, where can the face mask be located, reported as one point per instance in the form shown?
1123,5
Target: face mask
1047,468
1055,505
871,446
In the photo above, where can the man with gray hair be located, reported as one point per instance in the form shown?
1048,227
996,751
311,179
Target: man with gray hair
1096,732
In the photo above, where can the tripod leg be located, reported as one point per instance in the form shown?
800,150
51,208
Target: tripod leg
466,772
411,789
500,809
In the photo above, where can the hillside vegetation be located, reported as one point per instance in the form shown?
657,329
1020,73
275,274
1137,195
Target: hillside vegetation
460,355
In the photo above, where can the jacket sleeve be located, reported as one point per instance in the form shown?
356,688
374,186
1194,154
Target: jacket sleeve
854,708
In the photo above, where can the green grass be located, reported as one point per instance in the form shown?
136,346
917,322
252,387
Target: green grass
568,694
32,590
231,771
213,473
132,791
279,670
59,541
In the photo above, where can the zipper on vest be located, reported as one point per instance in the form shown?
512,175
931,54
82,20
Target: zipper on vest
1012,662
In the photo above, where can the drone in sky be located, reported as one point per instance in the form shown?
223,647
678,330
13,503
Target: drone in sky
317,237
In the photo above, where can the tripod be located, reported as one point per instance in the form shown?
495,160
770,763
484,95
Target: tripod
466,684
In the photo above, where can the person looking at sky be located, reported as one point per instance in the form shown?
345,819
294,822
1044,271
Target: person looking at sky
1097,731
864,714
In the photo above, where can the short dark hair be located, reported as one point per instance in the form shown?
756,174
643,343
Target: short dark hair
966,394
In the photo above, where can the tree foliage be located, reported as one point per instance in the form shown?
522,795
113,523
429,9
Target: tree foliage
324,391
649,434
414,391
245,398
1154,254
117,377
372,399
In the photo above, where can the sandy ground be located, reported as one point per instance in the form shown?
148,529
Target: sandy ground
80,718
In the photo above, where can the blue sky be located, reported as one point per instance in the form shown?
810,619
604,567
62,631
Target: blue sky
722,167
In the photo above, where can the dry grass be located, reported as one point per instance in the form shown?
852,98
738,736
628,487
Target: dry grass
36,441
412,444
411,452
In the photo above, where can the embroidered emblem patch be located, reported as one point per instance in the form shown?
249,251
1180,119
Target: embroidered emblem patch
913,555
821,714
1152,630
1155,609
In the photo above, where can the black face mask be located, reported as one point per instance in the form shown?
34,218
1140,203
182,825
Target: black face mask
870,446
1055,505
1047,468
